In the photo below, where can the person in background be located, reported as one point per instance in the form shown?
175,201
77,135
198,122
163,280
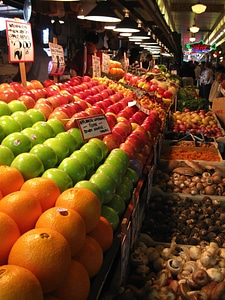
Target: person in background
38,69
81,63
187,73
205,81
197,70
122,57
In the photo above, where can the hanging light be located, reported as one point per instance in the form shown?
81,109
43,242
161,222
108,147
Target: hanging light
127,25
110,26
192,38
102,13
85,8
194,29
198,8
127,34
141,34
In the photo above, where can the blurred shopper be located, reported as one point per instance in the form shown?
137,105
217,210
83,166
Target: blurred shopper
187,73
82,61
205,81
148,63
197,70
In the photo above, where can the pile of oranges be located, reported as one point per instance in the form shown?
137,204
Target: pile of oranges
115,68
52,243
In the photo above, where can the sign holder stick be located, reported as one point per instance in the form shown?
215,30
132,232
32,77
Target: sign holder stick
55,41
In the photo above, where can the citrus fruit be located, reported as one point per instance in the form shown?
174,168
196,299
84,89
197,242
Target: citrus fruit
45,190
6,155
90,256
23,208
28,164
9,233
19,283
110,214
46,253
103,233
77,284
11,179
92,187
66,221
60,177
85,202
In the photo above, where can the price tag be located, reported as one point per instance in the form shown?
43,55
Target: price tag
139,93
105,63
93,126
20,42
57,66
96,66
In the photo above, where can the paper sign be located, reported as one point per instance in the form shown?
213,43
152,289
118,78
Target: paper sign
93,126
57,66
105,63
96,66
20,42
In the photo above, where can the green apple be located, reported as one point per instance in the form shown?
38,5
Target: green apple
86,161
16,105
111,215
9,125
132,174
4,109
101,145
111,171
36,115
76,133
117,152
6,155
117,163
60,177
23,118
59,147
73,168
125,192
127,181
56,125
44,128
28,164
2,134
118,204
92,187
46,154
69,140
106,184
34,135
94,152
17,142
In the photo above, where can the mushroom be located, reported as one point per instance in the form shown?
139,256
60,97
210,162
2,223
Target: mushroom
218,293
200,277
174,265
195,252
215,274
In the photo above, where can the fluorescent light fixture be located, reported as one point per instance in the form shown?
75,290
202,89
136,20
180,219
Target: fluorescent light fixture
127,25
102,13
198,8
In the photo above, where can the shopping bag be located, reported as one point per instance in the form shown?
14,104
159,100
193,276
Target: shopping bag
218,107
214,91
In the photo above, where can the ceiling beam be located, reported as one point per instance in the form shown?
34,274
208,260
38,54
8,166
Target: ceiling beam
211,7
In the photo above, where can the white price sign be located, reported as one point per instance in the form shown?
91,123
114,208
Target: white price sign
58,62
93,126
96,66
105,63
20,42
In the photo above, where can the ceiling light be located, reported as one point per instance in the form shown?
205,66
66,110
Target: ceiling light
85,8
127,25
198,8
110,26
102,13
142,35
194,29
192,38
128,34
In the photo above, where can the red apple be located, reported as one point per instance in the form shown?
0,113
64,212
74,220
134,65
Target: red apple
28,101
111,142
130,149
17,87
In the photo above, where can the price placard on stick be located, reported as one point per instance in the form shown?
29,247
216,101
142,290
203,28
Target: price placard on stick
105,63
93,126
58,62
20,42
96,66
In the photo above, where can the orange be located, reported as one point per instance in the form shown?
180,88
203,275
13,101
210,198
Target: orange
66,221
46,253
9,233
90,256
23,208
85,202
77,284
19,283
11,179
1,196
44,189
103,233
